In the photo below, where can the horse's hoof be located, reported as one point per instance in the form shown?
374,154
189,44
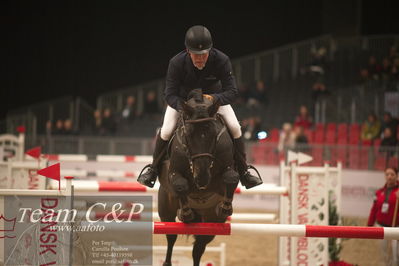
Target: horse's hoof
224,209
185,215
167,264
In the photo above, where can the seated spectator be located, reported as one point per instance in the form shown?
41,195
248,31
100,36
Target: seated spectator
319,62
251,128
129,110
151,106
301,140
389,122
373,68
395,70
386,69
388,143
108,125
286,139
68,127
127,116
393,53
364,76
303,119
370,128
257,96
49,128
318,68
97,122
59,127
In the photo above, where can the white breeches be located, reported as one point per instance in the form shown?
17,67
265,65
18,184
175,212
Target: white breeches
226,111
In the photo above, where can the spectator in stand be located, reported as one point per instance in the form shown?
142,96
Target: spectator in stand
393,53
301,140
251,128
257,97
383,210
129,111
68,127
151,106
59,127
287,138
388,143
303,119
395,72
373,68
108,127
127,116
386,69
394,76
49,128
319,62
370,128
390,122
317,69
97,122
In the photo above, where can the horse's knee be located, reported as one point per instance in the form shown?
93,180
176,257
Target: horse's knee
230,176
180,185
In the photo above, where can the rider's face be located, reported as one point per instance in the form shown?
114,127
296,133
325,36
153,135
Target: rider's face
199,60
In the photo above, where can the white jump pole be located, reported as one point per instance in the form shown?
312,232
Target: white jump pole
67,191
99,158
236,217
123,186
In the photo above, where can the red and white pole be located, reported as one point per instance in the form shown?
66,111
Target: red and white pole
277,229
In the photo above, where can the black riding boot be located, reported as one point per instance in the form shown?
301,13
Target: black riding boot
246,178
148,178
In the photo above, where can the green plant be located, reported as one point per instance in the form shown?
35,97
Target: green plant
334,244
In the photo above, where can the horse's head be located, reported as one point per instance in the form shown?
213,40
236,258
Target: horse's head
200,137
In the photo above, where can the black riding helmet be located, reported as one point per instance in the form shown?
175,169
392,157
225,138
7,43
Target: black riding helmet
198,40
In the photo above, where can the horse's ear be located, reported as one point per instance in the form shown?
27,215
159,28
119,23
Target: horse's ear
187,109
212,110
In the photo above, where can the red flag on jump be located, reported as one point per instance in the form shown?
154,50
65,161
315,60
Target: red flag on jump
35,152
21,129
52,172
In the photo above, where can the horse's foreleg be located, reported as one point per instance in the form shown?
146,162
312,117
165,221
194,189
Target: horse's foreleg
181,188
167,209
185,213
199,247
171,242
230,179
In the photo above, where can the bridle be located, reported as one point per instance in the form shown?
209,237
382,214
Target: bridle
191,157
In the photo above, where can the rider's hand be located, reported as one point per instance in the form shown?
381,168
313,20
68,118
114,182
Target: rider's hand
209,97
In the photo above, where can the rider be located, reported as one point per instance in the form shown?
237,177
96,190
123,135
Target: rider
200,66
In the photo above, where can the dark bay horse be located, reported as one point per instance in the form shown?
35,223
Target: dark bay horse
198,181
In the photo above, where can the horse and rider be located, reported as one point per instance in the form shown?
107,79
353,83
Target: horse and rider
200,65
201,139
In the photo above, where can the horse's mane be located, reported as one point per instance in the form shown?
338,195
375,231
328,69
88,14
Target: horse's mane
196,94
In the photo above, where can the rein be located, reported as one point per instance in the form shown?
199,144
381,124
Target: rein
200,120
